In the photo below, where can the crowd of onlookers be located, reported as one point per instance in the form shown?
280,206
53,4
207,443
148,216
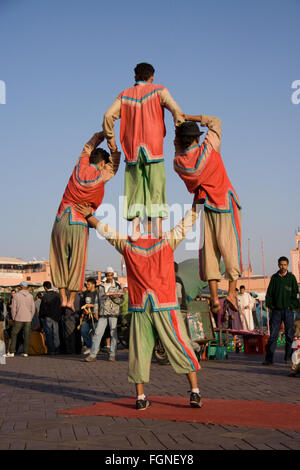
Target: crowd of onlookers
35,322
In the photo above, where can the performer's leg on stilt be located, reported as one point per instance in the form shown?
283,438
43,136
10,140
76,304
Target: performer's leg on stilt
139,388
231,297
229,247
195,398
136,231
59,256
215,303
134,196
173,335
209,259
192,378
63,296
158,227
172,332
141,344
78,258
70,302
155,194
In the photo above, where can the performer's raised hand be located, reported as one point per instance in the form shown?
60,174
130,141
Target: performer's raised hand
84,209
111,143
189,117
87,212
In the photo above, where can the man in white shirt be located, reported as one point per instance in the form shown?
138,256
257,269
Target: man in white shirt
246,304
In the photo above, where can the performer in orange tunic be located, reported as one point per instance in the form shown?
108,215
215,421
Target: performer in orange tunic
68,249
141,109
153,302
201,168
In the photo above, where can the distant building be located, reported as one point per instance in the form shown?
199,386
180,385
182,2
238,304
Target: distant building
252,282
15,270
295,258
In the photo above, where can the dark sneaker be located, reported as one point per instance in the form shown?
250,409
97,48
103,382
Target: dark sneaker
195,400
267,363
142,404
105,350
90,359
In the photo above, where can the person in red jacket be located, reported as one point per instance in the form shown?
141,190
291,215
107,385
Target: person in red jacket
153,302
141,109
201,168
68,248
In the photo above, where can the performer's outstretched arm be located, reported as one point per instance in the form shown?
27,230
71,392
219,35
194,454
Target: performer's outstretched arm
111,168
180,231
88,172
213,136
112,114
168,102
116,239
97,138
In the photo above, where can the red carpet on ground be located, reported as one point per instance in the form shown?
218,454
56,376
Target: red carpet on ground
257,414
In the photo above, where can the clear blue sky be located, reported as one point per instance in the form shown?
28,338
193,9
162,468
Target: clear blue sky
65,61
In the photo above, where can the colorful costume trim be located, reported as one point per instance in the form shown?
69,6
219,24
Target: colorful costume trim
203,172
142,122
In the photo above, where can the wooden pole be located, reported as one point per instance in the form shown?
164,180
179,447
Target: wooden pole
248,265
263,263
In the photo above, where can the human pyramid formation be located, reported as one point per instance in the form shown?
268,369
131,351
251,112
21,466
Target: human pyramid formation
149,256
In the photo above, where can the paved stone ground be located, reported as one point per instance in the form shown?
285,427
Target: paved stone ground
32,390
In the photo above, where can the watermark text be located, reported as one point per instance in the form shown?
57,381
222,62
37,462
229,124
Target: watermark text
2,92
296,94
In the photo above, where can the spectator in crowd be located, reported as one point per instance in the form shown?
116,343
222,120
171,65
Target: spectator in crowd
180,290
124,305
22,311
35,323
231,317
281,299
89,314
296,350
9,322
2,339
110,300
70,323
1,308
9,304
246,303
50,314
254,313
125,317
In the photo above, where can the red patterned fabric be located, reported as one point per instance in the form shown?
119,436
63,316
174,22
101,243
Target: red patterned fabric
150,273
203,172
84,185
142,122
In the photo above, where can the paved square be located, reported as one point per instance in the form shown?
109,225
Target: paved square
34,389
